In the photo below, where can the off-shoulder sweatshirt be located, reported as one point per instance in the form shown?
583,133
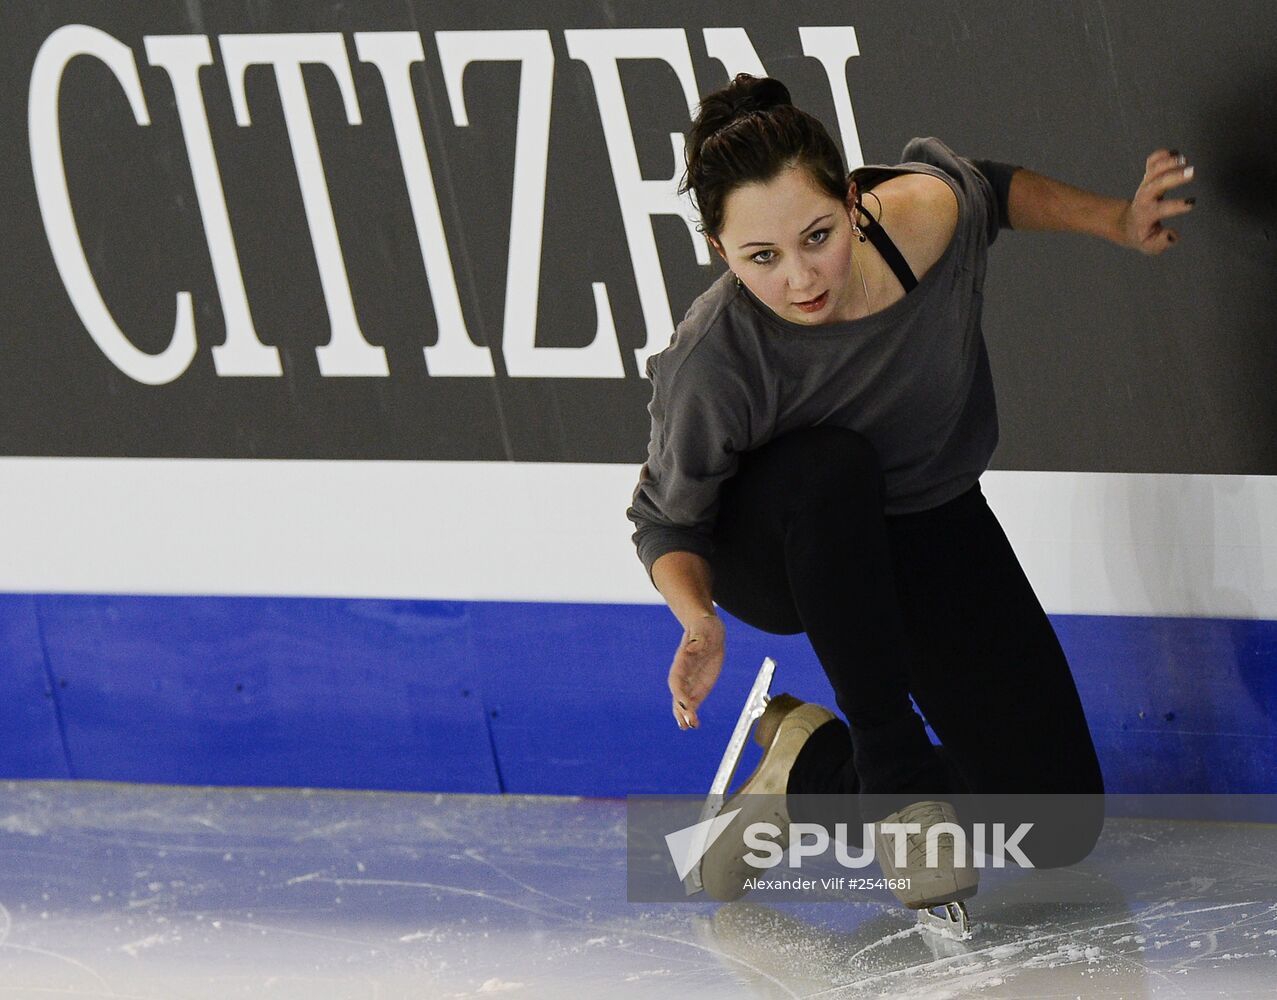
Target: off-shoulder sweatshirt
913,378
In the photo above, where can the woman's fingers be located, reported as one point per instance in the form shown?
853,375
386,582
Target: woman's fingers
690,684
1159,239
1162,159
683,688
680,710
1141,222
1175,206
685,712
1158,185
1166,169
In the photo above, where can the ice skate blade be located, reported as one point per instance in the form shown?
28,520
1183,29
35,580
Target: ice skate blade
755,705
950,920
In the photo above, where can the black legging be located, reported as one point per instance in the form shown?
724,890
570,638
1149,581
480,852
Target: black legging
932,604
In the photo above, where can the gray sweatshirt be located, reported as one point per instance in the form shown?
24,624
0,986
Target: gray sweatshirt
913,378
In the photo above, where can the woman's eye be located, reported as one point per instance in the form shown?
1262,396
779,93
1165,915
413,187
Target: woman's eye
766,256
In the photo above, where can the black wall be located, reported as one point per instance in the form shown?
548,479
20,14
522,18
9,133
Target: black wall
1105,360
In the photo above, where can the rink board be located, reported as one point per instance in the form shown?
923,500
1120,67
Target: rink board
323,383
528,698
151,663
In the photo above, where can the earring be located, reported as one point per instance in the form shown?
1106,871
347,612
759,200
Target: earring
855,226
738,281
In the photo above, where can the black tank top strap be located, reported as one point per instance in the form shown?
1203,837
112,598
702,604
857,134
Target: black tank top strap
894,258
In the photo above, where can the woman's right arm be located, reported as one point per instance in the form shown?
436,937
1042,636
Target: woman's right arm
699,427
685,581
696,436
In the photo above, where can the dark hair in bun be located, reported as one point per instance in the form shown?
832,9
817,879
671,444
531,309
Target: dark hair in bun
749,132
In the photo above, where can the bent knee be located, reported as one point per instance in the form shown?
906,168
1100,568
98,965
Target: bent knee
1068,847
1065,831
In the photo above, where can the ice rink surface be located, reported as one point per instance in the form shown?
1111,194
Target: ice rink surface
138,891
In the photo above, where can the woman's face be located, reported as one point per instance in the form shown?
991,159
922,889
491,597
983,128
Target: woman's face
790,243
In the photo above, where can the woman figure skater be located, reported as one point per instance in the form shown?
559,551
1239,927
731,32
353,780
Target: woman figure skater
820,422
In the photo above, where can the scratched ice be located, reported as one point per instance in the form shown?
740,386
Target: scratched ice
127,891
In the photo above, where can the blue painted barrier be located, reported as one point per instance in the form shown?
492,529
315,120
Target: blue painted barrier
535,698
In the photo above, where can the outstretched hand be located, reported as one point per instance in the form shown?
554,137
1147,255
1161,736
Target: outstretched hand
696,667
1141,221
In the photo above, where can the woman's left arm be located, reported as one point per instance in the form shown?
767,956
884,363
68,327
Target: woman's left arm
1035,202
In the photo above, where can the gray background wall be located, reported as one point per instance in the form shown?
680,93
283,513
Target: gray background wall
1104,360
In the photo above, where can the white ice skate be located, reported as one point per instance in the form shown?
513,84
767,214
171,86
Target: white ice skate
938,910
782,730
936,893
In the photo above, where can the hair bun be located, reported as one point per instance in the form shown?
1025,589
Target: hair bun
748,93
745,96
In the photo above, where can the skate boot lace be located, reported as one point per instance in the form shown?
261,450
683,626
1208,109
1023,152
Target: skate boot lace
926,815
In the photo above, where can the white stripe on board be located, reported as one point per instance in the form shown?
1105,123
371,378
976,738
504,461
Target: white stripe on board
1092,543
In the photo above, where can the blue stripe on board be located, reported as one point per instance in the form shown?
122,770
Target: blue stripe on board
31,744
529,697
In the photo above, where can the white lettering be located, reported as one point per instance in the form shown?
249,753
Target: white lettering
771,852
1002,847
181,56
866,856
59,218
347,352
393,53
532,50
959,840
732,47
833,46
799,850
601,50
899,833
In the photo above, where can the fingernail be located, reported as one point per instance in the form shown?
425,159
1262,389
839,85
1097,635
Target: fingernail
1188,172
